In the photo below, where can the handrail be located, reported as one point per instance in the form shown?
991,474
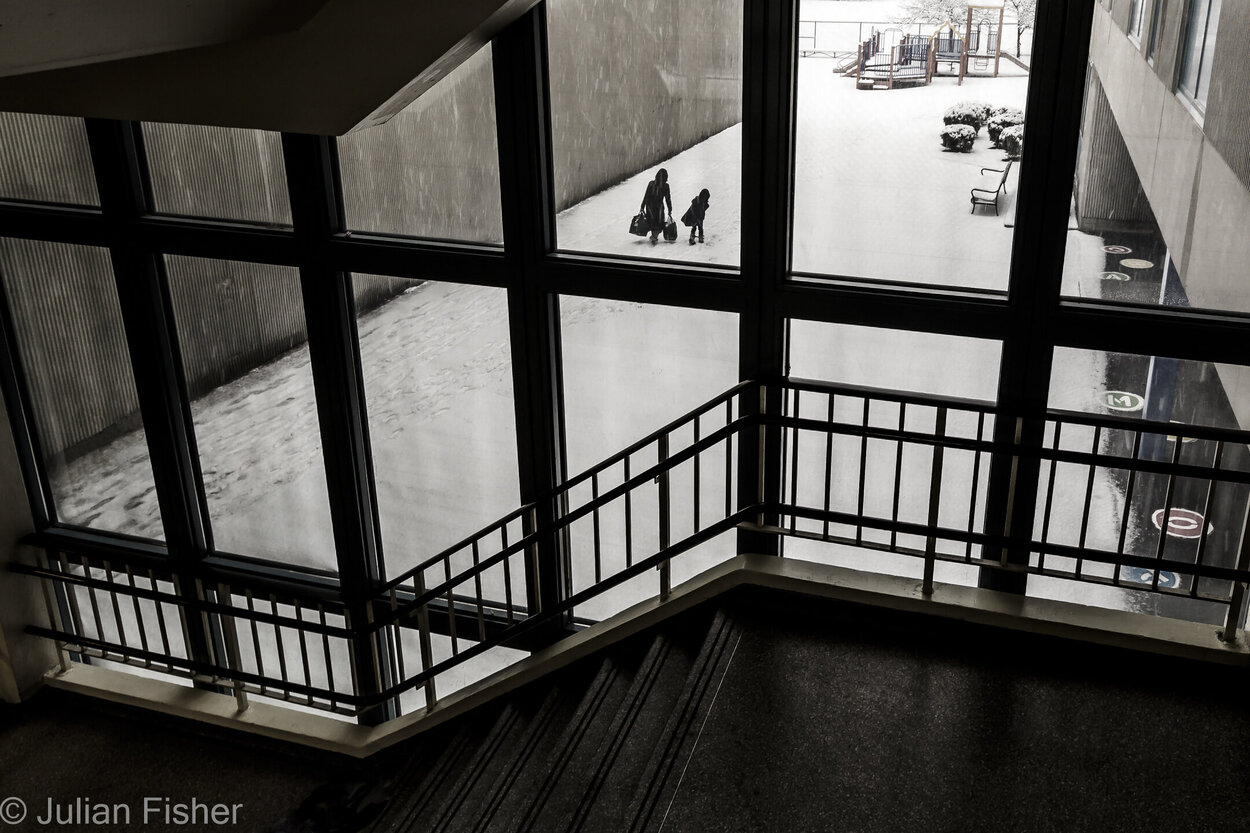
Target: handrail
518,514
459,598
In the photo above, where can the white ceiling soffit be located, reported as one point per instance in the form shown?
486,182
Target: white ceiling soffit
38,35
310,66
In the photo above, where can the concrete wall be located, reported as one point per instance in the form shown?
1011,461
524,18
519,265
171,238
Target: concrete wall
23,658
633,82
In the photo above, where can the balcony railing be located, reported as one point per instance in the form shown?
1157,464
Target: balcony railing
1118,505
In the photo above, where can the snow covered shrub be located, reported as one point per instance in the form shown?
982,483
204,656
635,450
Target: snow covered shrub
1012,140
965,112
1008,117
958,137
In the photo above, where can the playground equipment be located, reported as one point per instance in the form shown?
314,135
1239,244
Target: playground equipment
983,38
891,58
947,48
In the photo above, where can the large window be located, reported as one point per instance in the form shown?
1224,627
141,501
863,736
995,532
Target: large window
335,409
1202,21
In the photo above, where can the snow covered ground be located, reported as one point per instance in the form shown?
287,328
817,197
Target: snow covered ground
876,195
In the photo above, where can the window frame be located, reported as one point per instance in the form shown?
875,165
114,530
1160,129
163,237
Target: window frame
1196,97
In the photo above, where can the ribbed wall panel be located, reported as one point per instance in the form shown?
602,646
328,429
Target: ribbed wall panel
217,172
45,158
72,343
1108,189
432,170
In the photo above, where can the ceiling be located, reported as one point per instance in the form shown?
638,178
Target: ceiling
304,66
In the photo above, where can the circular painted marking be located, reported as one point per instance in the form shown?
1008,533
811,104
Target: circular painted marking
1117,250
1118,400
1184,440
1167,578
1136,263
1182,523
1115,276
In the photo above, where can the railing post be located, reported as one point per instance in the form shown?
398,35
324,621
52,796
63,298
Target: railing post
1011,488
535,574
231,636
54,620
665,519
1238,599
935,502
423,636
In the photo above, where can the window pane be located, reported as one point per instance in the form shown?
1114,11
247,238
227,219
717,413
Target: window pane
45,158
1130,510
878,192
1156,18
217,172
245,355
630,368
883,478
636,87
1161,200
433,169
895,359
73,351
1136,9
438,387
1194,54
1208,52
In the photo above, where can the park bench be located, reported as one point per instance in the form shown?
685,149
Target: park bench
986,196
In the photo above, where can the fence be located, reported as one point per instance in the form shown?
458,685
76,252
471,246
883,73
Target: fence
880,471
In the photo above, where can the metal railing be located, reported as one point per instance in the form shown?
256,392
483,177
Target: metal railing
873,470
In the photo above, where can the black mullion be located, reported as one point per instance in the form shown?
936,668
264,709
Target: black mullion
972,316
53,223
648,283
418,259
1155,331
1043,199
528,205
316,209
768,83
116,153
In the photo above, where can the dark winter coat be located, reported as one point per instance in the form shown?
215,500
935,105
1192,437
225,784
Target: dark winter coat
653,204
696,212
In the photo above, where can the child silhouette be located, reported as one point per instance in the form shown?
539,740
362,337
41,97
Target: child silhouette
695,213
